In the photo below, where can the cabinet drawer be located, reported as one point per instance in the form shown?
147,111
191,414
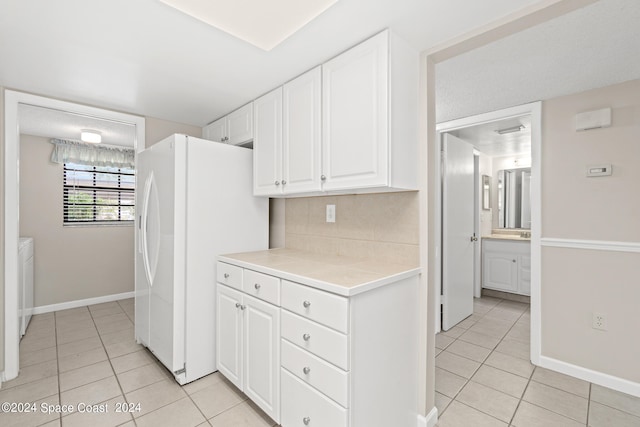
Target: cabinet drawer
326,343
302,406
261,286
323,307
229,275
314,371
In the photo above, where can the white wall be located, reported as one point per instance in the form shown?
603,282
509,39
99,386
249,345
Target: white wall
578,282
74,263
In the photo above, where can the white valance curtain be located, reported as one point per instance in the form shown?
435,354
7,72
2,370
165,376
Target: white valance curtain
65,151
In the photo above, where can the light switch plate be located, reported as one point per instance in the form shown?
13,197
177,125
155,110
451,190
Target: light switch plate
331,213
599,170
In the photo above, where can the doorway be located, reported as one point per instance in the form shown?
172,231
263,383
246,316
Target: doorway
13,102
469,289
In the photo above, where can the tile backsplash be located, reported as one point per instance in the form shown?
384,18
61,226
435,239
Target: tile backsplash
381,227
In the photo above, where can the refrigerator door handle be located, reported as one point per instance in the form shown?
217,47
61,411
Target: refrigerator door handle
144,228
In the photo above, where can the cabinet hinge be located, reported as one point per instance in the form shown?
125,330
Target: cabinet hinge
181,371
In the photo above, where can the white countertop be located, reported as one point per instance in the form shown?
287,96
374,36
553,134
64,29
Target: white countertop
337,274
511,237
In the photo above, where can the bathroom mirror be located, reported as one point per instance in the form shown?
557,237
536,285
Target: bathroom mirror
514,198
486,192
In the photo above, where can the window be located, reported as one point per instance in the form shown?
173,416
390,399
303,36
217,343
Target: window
97,194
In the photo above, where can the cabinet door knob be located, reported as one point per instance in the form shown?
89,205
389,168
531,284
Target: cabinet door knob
238,305
306,337
242,307
306,370
257,286
323,178
284,182
513,260
306,304
306,420
226,275
277,182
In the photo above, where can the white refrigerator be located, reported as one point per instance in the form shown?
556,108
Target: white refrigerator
194,201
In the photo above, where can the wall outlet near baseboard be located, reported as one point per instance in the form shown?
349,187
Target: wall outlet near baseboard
599,321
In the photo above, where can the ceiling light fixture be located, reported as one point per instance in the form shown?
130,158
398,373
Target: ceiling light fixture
510,130
91,136
273,22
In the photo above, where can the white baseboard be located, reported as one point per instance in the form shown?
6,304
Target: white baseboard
81,303
600,378
430,420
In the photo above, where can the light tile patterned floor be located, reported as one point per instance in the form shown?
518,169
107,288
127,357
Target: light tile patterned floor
88,355
484,378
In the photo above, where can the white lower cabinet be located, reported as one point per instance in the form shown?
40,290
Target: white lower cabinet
506,266
314,358
248,347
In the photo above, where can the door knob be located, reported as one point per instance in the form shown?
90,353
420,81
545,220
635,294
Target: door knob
474,239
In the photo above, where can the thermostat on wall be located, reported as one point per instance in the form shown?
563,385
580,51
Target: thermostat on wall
599,170
593,119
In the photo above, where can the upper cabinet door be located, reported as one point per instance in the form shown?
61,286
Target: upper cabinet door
267,144
216,131
301,142
240,125
355,109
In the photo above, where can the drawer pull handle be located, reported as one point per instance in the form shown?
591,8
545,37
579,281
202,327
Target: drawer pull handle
306,304
226,275
306,370
306,420
257,286
306,337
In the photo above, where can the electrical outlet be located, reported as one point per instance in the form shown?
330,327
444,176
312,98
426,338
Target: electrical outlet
599,321
331,213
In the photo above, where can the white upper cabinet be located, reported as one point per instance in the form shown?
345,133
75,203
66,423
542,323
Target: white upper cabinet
267,144
216,131
235,128
301,154
286,149
370,117
240,125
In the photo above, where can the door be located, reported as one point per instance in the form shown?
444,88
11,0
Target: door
267,144
301,133
142,286
229,334
216,131
500,271
240,125
355,120
457,231
262,355
161,261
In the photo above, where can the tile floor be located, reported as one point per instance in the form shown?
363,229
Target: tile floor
88,355
484,378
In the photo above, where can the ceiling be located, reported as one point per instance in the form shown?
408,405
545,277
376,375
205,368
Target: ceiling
49,123
486,140
146,58
595,46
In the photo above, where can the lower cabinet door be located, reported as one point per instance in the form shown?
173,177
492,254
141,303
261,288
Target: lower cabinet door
229,334
500,271
262,355
304,406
